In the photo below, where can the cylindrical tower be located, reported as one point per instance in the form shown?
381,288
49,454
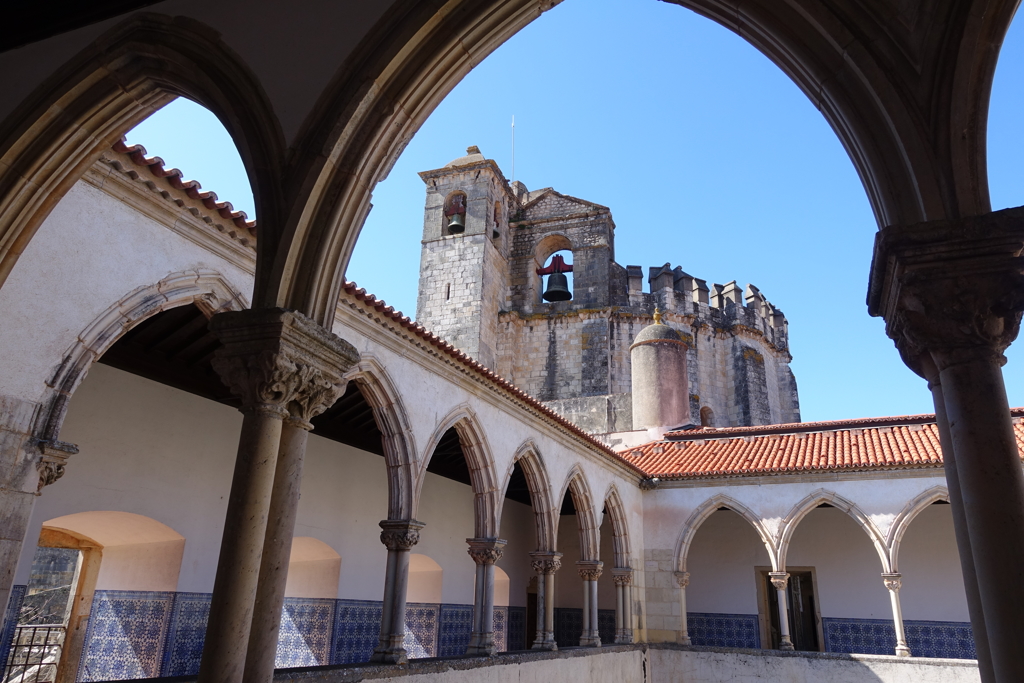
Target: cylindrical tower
661,393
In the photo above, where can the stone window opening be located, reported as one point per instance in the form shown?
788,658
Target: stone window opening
707,417
496,227
551,287
448,291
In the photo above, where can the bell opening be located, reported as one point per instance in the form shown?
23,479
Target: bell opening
559,282
457,224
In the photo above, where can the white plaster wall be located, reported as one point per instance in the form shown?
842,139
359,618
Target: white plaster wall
933,586
141,567
89,253
847,568
606,584
447,508
313,579
722,559
568,585
518,527
426,580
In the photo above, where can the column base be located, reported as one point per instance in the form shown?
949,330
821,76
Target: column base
685,640
902,651
389,655
624,636
545,642
786,644
481,645
590,641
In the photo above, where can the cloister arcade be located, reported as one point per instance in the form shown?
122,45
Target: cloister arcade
906,96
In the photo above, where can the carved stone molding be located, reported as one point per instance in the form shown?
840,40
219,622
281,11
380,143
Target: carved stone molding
281,362
485,550
950,289
546,563
52,462
400,534
683,579
779,579
892,581
590,570
622,576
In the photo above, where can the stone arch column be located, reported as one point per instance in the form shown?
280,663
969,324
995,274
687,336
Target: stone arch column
622,573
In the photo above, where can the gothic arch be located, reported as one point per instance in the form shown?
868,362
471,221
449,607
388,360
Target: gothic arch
788,526
620,527
134,69
481,467
705,510
393,422
910,511
545,514
586,516
210,291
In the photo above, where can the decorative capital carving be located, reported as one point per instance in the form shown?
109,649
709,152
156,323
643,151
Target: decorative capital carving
951,289
622,576
546,563
400,534
779,579
281,362
893,581
51,464
590,570
486,550
683,579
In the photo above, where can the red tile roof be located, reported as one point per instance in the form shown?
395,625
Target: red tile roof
907,442
173,177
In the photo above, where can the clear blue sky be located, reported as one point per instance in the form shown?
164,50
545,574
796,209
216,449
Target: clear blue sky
708,155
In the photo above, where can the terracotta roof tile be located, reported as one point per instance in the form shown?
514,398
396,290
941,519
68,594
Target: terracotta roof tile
849,445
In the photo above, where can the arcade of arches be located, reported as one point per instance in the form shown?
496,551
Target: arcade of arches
230,460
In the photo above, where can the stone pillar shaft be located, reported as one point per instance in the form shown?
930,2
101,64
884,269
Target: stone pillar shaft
892,583
399,536
590,572
623,577
683,579
485,552
545,563
780,580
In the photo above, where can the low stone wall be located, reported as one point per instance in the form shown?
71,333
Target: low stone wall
676,664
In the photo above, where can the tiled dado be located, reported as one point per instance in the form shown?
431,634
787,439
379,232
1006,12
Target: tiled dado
569,626
723,630
144,635
946,639
11,620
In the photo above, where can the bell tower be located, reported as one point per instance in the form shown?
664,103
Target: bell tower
464,259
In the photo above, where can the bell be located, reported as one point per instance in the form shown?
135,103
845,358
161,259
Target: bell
558,288
457,225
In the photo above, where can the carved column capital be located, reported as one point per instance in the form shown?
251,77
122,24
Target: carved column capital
683,579
52,462
893,581
486,550
779,579
400,534
622,576
590,570
953,290
281,362
545,563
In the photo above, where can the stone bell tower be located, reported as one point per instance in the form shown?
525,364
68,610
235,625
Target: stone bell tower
464,259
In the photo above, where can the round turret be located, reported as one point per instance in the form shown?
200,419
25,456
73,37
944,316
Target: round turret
661,394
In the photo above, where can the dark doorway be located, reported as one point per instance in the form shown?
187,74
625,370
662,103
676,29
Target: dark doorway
803,610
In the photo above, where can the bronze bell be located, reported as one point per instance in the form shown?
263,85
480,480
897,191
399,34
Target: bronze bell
558,288
457,225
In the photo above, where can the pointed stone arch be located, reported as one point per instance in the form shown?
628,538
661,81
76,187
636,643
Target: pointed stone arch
398,438
137,67
478,456
545,513
701,515
910,512
621,546
210,291
789,524
586,516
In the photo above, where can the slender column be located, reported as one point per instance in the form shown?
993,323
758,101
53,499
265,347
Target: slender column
893,582
623,577
399,536
683,579
952,293
545,564
963,538
590,572
277,362
780,580
485,552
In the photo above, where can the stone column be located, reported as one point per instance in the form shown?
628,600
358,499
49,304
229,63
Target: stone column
399,536
683,579
952,292
278,363
893,582
590,572
623,577
780,580
485,552
545,564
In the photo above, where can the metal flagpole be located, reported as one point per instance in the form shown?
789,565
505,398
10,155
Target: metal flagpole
513,147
